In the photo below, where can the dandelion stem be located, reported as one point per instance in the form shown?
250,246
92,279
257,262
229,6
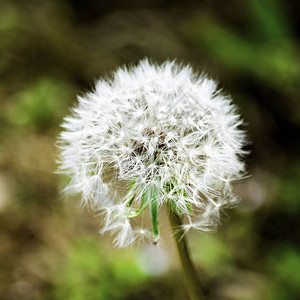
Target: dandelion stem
190,274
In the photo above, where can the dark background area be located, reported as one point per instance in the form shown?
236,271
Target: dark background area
51,51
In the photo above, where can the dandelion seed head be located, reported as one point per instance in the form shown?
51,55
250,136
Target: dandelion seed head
159,127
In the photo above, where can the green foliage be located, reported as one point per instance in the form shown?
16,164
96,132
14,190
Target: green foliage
269,19
89,273
213,255
289,193
39,106
284,266
268,54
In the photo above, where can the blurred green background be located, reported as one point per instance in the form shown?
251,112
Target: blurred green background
51,51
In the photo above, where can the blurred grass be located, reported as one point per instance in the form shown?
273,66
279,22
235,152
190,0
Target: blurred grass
270,55
39,106
89,273
284,264
52,51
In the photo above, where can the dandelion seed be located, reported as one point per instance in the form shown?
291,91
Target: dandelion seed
151,136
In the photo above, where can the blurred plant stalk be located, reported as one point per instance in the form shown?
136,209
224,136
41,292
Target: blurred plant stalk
192,280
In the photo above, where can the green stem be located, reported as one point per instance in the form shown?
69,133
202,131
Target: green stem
190,274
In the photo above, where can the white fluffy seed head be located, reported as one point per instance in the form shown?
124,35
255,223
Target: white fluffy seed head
154,135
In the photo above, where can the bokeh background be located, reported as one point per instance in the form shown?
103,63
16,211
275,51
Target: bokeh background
51,51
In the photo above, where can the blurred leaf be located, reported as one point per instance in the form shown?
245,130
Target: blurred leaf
284,266
275,62
288,198
212,254
41,105
92,273
269,19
